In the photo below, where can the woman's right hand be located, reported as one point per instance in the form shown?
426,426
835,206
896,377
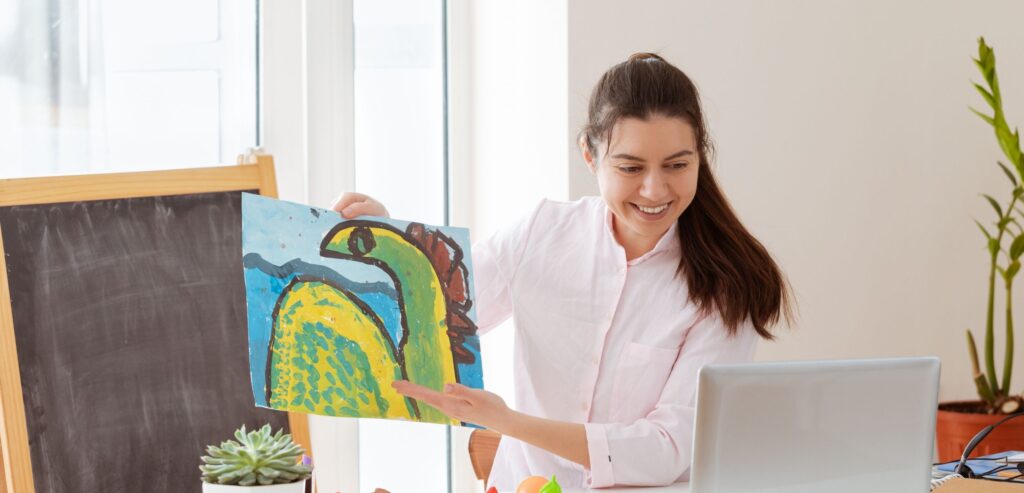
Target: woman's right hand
351,204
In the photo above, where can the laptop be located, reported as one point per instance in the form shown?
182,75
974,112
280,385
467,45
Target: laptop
815,427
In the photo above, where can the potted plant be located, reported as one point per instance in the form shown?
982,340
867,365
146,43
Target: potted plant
958,422
255,462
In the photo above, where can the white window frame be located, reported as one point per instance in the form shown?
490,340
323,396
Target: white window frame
304,57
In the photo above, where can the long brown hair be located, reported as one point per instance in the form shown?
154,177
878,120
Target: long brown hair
724,266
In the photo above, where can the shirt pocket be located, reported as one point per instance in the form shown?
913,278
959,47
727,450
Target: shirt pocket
640,377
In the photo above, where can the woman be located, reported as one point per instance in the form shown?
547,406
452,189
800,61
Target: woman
619,300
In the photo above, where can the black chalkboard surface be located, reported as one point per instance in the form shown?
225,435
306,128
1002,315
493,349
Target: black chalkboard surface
130,327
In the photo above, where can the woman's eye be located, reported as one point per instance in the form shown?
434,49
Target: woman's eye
629,169
678,165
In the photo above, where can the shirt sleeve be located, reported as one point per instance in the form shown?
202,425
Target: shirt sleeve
495,261
656,450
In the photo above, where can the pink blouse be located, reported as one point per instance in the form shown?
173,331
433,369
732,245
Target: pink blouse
613,344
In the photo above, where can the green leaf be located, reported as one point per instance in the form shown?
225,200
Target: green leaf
983,230
1017,247
973,352
1011,176
980,64
995,205
984,391
1016,147
993,247
986,60
1009,143
1016,226
983,116
1012,270
991,100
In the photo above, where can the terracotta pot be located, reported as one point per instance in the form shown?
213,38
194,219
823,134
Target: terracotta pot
954,429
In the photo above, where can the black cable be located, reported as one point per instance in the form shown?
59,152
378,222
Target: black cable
961,467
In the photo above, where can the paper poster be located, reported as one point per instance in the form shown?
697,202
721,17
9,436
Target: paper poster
338,309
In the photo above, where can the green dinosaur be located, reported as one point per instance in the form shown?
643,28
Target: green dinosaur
331,354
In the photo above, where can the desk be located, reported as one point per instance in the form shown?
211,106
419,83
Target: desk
675,488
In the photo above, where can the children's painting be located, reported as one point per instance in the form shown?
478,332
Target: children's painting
338,309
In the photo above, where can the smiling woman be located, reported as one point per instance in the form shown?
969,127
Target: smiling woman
646,191
618,301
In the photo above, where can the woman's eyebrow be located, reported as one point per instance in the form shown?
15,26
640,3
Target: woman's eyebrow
684,152
631,157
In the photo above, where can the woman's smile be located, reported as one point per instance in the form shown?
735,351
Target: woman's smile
651,212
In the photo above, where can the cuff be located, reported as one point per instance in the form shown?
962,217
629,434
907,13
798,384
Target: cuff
600,474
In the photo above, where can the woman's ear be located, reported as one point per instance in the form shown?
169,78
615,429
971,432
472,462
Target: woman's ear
588,157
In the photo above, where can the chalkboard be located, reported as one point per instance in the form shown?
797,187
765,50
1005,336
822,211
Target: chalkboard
129,324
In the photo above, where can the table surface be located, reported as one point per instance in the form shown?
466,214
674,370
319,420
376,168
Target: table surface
675,488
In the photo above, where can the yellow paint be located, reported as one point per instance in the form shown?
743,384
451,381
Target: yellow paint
436,325
428,357
308,304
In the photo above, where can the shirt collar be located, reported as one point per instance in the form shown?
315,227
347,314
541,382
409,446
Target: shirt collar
668,241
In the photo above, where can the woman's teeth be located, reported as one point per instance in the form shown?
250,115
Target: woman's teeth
652,210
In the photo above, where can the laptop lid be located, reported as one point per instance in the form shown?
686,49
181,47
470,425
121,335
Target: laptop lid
815,426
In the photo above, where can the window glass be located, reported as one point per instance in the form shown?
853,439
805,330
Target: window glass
125,85
399,159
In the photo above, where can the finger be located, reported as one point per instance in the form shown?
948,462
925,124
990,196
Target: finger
350,211
356,209
364,208
346,199
421,393
415,391
456,389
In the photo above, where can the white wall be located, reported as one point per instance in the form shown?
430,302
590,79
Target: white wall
509,127
507,112
846,146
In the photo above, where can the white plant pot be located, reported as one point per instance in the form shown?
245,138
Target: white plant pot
297,487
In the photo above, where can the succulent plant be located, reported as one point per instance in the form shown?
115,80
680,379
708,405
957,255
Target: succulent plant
256,458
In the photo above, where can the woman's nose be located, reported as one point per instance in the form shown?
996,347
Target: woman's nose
654,185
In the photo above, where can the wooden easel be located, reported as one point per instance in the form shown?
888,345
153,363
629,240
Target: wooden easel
254,172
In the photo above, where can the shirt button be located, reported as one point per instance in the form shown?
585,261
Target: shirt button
585,407
595,360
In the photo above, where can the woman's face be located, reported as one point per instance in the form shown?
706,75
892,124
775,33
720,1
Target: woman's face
647,175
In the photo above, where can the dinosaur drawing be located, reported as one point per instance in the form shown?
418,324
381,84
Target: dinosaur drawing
331,354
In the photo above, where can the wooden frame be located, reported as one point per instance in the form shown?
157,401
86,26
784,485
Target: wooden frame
257,173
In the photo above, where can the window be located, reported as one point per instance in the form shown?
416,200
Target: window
125,85
92,86
399,159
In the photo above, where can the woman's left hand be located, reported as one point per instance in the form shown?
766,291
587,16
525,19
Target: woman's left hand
463,403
